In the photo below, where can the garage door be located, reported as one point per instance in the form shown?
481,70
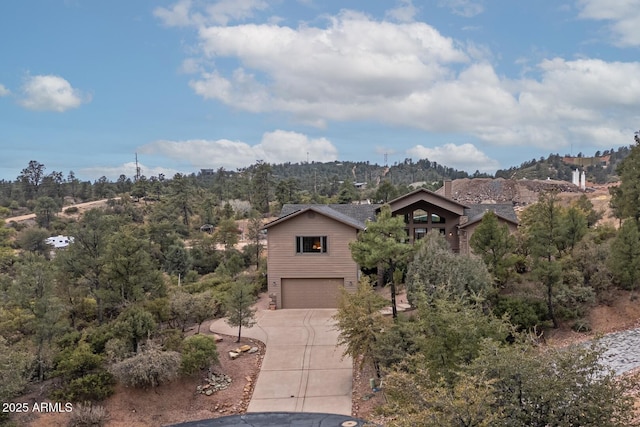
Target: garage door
310,293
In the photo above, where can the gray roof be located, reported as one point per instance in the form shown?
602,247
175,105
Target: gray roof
359,213
503,210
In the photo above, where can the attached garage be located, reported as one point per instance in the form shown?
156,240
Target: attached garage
311,293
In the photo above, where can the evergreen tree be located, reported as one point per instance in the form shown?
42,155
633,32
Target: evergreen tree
177,260
130,272
385,192
542,226
361,323
46,209
625,198
254,235
261,186
383,245
574,226
237,305
495,245
31,177
624,256
347,192
227,234
182,197
34,291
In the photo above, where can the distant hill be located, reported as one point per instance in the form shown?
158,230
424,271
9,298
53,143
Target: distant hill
599,168
325,178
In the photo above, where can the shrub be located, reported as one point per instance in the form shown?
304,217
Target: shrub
581,325
71,210
171,339
87,415
74,362
116,349
98,336
199,352
150,368
92,387
523,313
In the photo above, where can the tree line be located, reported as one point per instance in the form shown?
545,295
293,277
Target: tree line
117,303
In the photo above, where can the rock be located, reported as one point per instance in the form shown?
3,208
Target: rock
252,350
217,337
245,348
208,392
248,378
233,355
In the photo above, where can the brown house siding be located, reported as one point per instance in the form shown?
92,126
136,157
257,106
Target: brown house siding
285,263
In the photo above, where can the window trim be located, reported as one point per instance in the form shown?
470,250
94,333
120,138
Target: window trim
303,242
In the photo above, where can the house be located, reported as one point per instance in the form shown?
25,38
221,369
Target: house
308,256
59,241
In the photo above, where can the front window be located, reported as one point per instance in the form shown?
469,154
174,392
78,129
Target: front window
420,216
311,244
437,219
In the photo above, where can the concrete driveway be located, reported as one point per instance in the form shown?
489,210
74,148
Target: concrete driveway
302,370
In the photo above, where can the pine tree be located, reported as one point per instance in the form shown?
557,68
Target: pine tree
382,245
237,306
542,225
624,257
361,323
625,198
495,245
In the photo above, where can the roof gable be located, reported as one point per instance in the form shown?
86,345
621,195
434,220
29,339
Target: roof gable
424,195
503,211
292,211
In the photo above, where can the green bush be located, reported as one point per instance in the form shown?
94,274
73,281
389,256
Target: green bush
74,362
523,313
150,368
92,387
199,352
71,210
99,336
171,339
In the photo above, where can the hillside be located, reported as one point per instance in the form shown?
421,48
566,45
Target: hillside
520,192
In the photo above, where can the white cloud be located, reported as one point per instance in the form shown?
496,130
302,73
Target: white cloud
410,75
623,16
185,13
50,93
178,15
275,147
223,11
4,91
466,8
405,12
348,70
462,157
127,169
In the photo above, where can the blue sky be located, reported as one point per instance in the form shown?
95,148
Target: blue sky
190,84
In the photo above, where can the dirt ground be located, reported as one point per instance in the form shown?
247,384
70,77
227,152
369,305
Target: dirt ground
175,402
179,402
